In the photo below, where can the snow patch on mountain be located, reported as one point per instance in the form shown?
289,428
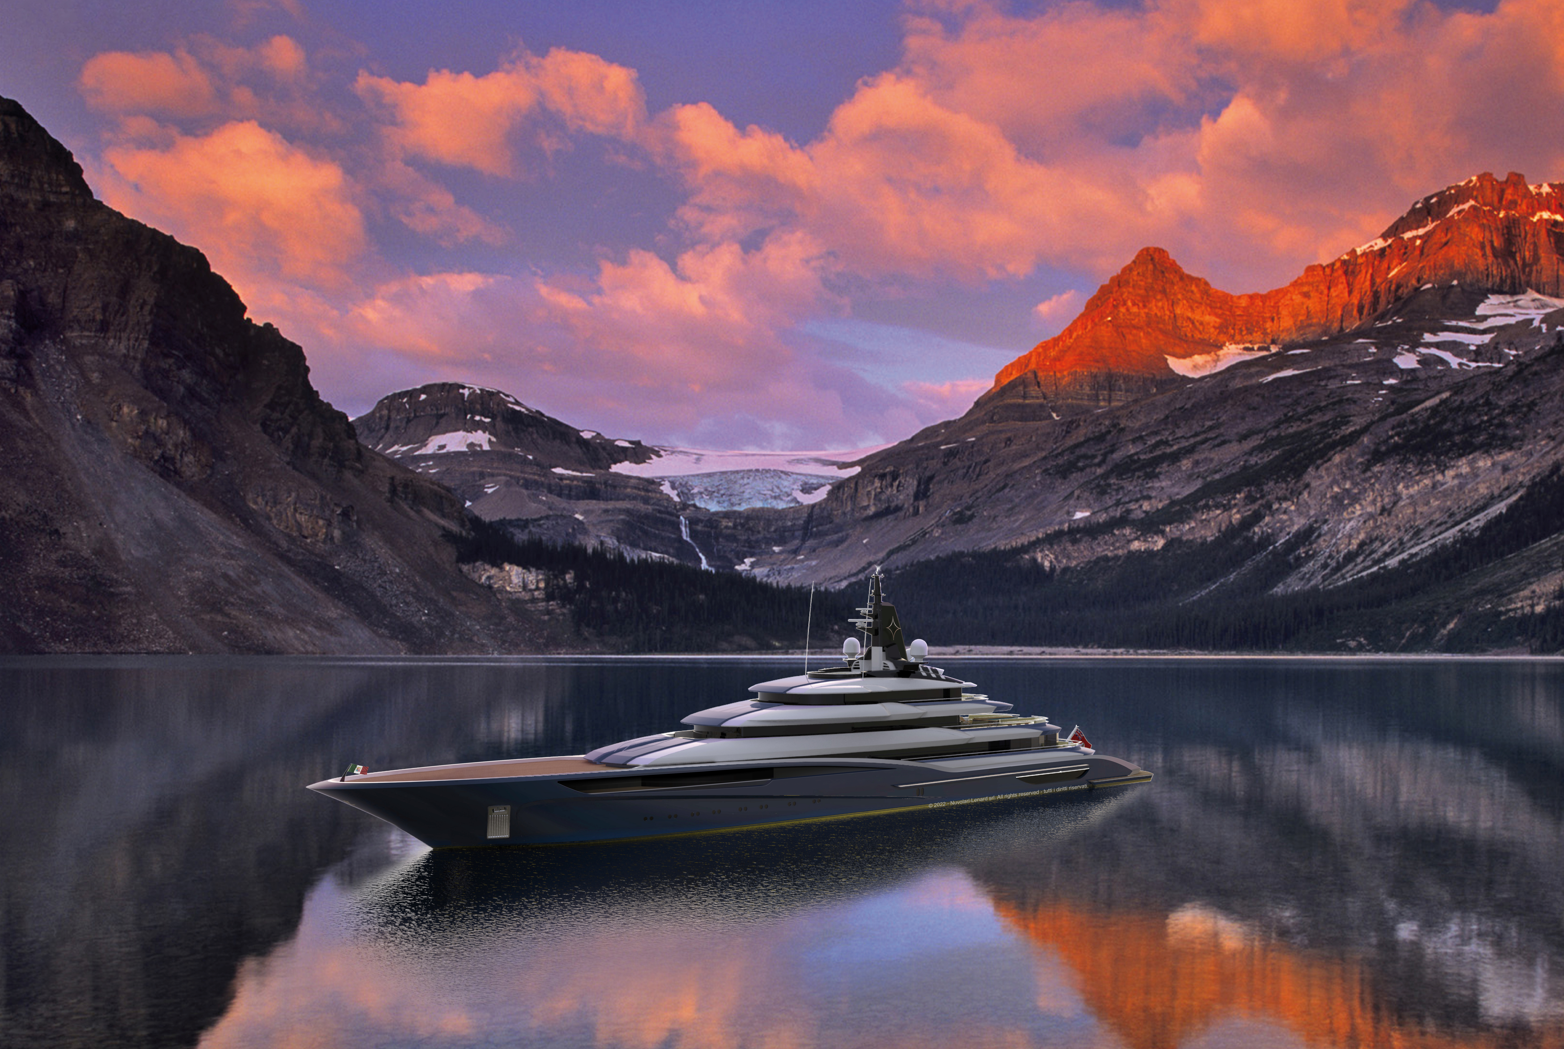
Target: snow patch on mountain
1203,364
683,462
746,489
742,480
1285,372
1465,338
461,441
1499,310
1456,362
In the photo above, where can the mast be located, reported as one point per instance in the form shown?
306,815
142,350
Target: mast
884,641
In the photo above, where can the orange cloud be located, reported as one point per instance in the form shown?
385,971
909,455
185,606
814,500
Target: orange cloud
260,207
148,82
1057,81
1282,30
470,121
589,93
169,101
1249,139
424,206
897,185
207,79
456,118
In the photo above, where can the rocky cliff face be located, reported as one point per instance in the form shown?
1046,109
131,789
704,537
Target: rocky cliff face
1337,463
1129,340
173,481
542,478
1390,425
452,417
1415,459
1380,442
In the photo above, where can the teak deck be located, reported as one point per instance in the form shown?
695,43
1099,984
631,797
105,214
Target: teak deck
489,769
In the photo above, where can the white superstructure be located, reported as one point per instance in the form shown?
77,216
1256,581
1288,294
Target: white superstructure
882,701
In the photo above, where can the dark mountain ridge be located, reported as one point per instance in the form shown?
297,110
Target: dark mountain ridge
1368,458
174,482
1373,463
543,478
1394,485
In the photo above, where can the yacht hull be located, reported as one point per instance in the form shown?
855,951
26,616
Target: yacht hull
554,801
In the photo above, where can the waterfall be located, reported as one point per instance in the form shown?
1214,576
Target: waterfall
684,530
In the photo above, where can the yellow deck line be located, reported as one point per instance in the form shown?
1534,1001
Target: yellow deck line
913,807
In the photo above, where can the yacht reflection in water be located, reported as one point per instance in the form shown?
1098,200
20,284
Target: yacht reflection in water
1332,854
1252,899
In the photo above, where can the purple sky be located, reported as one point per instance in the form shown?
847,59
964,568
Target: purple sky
783,225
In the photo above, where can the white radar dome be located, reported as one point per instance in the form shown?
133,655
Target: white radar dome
850,648
918,651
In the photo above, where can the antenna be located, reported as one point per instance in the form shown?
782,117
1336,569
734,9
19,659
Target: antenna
808,623
867,618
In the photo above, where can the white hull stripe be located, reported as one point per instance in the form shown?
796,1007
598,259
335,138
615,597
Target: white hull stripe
999,775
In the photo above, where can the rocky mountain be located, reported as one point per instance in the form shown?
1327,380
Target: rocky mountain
173,482
1373,451
1369,457
1140,331
451,417
542,478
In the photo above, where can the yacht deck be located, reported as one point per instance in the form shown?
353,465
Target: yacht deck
487,770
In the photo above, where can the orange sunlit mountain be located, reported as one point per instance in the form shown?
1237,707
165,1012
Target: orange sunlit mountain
1502,236
1159,982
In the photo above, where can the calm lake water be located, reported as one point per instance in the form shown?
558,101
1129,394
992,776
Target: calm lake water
1333,853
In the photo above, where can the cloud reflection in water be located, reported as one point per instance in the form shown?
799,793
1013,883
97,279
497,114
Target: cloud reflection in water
981,926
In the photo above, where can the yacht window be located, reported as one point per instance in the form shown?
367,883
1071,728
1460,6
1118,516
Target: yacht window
668,781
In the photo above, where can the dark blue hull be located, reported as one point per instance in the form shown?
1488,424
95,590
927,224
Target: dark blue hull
636,803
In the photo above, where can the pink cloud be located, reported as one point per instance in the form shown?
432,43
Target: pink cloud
262,208
149,82
590,94
472,121
702,330
948,399
206,81
427,207
456,118
424,316
1058,309
1247,138
679,348
1249,141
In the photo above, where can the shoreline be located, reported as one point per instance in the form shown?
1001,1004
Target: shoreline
816,659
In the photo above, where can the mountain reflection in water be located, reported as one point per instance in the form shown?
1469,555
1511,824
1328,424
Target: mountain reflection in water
1333,854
